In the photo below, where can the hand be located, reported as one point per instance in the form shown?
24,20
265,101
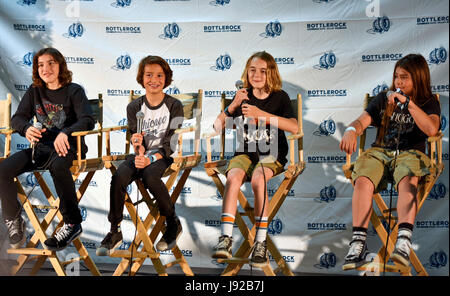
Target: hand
137,140
61,144
33,134
140,161
401,98
349,142
251,111
241,96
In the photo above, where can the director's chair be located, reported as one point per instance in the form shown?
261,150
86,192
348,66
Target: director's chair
380,220
80,165
183,164
5,128
216,168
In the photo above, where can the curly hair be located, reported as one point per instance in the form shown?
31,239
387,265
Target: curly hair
64,75
148,60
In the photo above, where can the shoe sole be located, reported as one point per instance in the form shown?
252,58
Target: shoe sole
399,259
105,251
62,248
171,245
221,255
259,265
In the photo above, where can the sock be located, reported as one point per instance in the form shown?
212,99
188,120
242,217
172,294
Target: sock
115,228
359,233
261,228
227,224
405,229
406,225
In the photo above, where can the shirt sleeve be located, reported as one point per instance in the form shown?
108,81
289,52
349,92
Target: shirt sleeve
25,111
170,141
286,106
374,108
80,104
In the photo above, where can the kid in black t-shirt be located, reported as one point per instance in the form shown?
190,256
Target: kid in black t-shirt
404,118
261,112
61,107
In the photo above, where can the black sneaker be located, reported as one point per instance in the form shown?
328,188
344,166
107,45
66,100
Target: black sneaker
63,237
356,255
402,250
170,236
16,232
223,249
259,255
111,241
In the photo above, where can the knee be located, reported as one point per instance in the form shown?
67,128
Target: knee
257,181
234,180
117,180
59,166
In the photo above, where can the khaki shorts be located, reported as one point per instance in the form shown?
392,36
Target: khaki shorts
243,162
375,164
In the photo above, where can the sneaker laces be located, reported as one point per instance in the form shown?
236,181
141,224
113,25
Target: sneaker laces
13,226
259,249
224,242
356,248
63,232
403,246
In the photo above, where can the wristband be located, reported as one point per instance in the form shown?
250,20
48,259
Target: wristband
227,113
405,105
153,158
350,128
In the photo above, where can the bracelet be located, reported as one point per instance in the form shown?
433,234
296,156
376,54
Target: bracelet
227,113
350,128
153,158
405,105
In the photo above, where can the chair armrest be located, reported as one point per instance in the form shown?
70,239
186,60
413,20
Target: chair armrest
436,138
185,130
85,133
211,135
114,128
295,136
7,131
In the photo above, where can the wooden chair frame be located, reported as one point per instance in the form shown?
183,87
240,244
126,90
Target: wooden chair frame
5,125
294,169
78,166
434,150
183,164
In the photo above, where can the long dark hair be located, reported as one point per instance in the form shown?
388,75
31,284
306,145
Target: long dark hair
64,76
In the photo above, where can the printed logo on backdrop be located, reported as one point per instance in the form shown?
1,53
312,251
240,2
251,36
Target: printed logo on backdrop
121,92
440,88
437,56
326,261
79,60
273,29
75,30
443,122
432,20
438,191
327,61
383,57
285,61
222,29
437,260
26,2
223,63
286,258
326,226
379,89
219,2
275,226
326,26
92,183
380,25
179,61
21,87
121,3
123,63
27,59
29,27
323,1
327,194
218,93
84,213
272,190
327,93
31,180
122,30
325,128
186,191
327,159
185,252
432,224
171,31
172,91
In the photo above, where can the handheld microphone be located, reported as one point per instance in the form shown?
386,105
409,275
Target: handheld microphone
140,122
239,84
37,125
398,90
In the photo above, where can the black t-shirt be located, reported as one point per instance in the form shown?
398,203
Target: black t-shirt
267,139
411,137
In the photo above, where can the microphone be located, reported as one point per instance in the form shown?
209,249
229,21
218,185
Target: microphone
239,84
140,122
37,125
400,105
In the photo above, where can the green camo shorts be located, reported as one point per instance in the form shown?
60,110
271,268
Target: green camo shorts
376,163
243,162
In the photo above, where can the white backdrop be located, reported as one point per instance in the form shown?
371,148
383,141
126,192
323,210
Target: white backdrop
330,51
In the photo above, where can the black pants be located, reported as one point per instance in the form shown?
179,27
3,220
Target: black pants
151,177
59,168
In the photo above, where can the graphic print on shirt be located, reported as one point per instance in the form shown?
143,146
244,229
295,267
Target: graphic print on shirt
155,125
399,122
52,116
